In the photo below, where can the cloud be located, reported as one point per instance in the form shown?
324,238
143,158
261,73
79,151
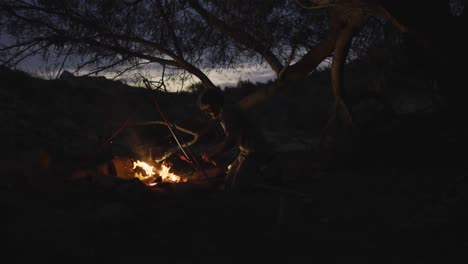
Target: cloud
246,73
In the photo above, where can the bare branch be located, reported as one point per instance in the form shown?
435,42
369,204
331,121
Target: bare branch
175,40
108,66
64,61
177,62
127,69
313,57
238,35
23,54
311,7
97,58
173,150
288,62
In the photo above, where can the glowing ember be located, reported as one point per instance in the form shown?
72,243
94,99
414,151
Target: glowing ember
150,171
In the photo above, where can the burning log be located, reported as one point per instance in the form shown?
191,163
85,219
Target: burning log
149,173
41,171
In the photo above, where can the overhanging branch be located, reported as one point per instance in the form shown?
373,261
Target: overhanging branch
238,35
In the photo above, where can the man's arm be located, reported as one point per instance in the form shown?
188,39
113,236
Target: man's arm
232,134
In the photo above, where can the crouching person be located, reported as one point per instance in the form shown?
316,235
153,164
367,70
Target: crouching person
239,134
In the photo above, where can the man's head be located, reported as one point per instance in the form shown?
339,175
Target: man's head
211,101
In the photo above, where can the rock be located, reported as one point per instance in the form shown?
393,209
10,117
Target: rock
66,75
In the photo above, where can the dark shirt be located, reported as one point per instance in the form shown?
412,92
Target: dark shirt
241,131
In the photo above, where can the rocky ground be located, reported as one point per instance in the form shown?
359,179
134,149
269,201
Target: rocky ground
393,191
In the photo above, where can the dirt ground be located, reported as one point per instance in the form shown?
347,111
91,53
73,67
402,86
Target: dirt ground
371,215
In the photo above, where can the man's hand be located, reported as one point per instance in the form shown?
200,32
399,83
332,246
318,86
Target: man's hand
207,159
182,157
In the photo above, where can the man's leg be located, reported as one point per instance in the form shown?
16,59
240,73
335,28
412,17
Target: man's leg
230,174
235,177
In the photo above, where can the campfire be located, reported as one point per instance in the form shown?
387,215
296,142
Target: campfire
151,175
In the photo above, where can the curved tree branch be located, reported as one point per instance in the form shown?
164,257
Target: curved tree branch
314,56
340,53
238,35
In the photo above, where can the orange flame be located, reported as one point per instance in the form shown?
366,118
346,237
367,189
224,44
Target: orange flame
150,171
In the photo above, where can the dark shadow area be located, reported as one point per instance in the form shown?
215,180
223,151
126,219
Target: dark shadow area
390,190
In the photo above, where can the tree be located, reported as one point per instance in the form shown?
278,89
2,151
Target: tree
292,37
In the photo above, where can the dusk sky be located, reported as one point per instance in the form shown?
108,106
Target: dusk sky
256,74
225,78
